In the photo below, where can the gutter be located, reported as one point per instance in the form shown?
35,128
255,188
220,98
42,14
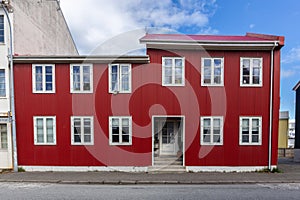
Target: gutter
271,106
12,96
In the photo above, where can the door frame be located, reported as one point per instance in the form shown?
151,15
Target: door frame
183,134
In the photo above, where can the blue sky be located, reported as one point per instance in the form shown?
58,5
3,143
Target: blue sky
94,22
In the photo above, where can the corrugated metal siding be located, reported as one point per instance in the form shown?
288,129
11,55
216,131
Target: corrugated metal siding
149,98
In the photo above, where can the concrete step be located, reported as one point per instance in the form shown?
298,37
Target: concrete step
169,169
162,162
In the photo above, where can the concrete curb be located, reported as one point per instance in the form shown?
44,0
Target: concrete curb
143,182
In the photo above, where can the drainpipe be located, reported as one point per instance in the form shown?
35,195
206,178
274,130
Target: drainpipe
271,106
4,5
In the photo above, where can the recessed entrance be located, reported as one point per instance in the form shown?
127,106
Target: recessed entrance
168,139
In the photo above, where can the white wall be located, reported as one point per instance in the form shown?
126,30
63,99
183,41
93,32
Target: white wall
40,29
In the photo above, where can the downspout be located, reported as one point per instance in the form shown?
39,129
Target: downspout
12,96
271,106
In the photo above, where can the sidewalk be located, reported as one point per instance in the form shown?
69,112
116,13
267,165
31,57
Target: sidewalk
290,174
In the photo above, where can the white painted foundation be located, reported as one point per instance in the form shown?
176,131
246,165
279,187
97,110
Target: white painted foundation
82,169
226,169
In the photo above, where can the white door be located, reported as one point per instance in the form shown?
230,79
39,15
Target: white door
5,147
169,138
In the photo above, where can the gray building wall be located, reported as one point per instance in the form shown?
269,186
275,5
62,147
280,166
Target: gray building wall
40,29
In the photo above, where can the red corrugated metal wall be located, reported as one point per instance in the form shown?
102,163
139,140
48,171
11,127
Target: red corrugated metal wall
148,98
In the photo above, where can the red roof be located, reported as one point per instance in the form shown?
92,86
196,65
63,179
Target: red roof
213,38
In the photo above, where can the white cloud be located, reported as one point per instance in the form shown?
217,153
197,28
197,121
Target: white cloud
292,56
94,21
292,71
287,73
251,26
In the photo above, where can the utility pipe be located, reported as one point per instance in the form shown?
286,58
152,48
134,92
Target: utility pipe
271,107
12,96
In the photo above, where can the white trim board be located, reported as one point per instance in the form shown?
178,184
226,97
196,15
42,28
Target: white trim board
227,169
84,168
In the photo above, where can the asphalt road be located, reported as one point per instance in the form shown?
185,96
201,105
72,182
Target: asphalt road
133,192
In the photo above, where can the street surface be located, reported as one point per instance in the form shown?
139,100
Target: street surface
136,192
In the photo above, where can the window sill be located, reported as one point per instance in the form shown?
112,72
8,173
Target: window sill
81,92
120,144
82,144
46,144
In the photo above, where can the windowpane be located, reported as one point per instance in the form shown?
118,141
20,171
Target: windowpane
216,139
40,130
39,78
207,63
76,78
1,28
178,63
168,63
77,130
49,125
86,78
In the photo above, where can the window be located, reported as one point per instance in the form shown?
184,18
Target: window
211,130
43,78
2,83
3,136
82,131
251,71
250,130
44,130
212,71
81,80
173,71
1,28
119,78
120,131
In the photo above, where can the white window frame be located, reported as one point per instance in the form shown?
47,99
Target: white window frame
2,147
81,78
3,42
251,84
173,71
5,83
211,118
119,77
120,130
34,90
91,118
250,130
44,130
212,67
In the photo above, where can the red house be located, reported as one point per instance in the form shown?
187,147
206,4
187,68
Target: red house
194,103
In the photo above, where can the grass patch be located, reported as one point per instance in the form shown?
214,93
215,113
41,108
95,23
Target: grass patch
21,169
266,170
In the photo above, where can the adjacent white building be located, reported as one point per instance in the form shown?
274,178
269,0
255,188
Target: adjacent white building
39,28
291,141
